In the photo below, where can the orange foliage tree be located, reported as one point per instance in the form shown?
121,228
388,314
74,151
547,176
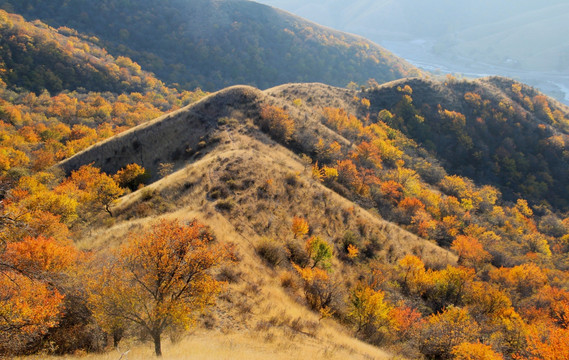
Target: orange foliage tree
470,251
553,345
30,303
475,351
159,278
277,122
28,308
299,227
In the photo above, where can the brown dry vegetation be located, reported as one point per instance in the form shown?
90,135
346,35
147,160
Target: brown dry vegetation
247,188
222,161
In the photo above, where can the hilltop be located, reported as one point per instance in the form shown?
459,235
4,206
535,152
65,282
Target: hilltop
371,173
213,44
419,218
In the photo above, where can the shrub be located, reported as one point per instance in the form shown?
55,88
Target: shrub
297,254
271,252
226,205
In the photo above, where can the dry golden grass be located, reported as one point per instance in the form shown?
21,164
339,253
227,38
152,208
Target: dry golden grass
243,345
261,186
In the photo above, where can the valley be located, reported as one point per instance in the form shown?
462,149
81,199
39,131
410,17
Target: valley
418,52
526,42
322,199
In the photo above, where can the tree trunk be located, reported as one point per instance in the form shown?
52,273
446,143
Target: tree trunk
157,344
108,209
117,336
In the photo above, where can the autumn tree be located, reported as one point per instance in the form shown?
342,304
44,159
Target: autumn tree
449,286
31,303
106,192
28,309
277,122
319,251
487,301
553,345
368,308
520,281
475,351
445,330
131,176
405,321
320,289
412,275
470,251
299,227
348,174
159,278
92,187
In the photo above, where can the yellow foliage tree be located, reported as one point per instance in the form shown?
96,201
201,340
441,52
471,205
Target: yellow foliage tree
475,351
445,330
159,278
368,307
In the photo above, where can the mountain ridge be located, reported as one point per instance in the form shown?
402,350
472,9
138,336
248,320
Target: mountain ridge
222,44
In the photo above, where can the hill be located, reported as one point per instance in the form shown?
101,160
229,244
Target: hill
36,57
213,44
525,40
60,93
424,217
492,130
327,201
378,188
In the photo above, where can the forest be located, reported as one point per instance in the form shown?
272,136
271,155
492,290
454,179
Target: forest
201,43
427,217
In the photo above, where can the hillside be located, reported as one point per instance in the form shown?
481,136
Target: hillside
60,93
380,199
492,130
213,44
36,57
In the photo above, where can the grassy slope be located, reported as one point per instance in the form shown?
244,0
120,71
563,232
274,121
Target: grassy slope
240,158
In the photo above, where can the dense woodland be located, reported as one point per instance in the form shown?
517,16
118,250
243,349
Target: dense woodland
40,129
478,168
494,131
201,43
508,293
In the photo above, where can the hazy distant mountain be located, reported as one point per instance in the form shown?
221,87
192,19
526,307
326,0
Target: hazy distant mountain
523,39
218,43
528,33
